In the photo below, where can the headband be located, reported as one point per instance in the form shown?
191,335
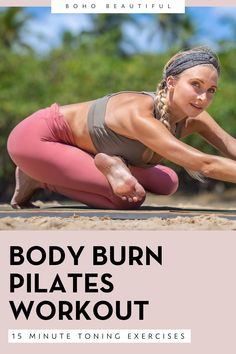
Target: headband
189,60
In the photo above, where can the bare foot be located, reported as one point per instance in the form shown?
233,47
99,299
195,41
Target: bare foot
124,185
25,188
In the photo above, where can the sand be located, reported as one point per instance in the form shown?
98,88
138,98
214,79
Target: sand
96,223
203,221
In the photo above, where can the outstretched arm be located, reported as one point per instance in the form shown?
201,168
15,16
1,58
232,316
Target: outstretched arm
154,135
210,130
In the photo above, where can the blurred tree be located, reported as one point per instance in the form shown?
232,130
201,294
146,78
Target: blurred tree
229,41
107,34
176,30
69,40
12,22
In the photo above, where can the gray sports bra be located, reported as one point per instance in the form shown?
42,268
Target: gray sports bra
107,141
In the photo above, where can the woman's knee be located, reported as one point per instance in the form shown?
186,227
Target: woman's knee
162,180
11,148
17,145
170,181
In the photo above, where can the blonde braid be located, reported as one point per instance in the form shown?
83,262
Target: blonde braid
161,104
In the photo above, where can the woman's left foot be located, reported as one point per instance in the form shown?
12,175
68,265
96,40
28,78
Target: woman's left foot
123,184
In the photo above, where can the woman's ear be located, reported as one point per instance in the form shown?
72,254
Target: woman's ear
170,81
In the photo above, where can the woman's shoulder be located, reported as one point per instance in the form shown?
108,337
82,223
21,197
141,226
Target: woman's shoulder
136,102
125,110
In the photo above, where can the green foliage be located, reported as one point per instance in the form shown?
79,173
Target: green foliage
12,21
177,30
85,67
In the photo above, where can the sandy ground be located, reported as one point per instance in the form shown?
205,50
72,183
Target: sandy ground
205,221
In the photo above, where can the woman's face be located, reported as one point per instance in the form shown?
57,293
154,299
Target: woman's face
193,91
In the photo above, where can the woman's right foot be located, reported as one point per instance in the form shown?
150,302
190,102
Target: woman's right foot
24,190
123,184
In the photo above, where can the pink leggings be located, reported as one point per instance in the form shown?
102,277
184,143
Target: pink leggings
43,147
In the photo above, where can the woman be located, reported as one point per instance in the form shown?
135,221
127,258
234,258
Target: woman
105,153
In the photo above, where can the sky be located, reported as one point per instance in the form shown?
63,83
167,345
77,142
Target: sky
44,30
